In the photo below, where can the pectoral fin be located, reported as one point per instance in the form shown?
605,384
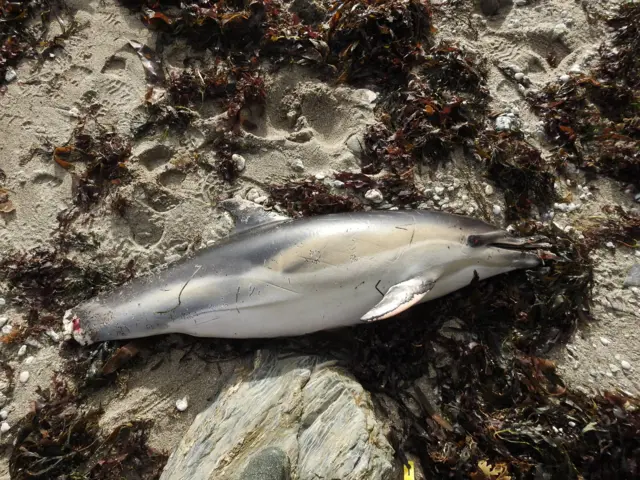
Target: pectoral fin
399,298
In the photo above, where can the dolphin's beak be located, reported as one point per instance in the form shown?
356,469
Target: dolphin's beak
537,243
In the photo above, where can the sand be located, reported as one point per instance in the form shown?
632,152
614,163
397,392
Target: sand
308,128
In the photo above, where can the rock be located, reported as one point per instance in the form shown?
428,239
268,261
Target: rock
489,7
4,414
24,377
519,76
625,365
301,136
182,404
3,302
6,330
355,143
521,3
268,464
633,277
297,165
313,411
439,190
507,122
4,428
488,190
240,161
610,245
253,194
558,31
22,350
3,321
565,78
605,341
10,75
374,195
497,209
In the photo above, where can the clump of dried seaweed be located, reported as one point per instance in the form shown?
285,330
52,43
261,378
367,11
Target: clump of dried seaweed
311,197
440,108
46,278
60,438
594,118
104,153
617,225
519,169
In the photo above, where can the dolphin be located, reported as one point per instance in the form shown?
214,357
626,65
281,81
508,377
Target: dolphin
276,276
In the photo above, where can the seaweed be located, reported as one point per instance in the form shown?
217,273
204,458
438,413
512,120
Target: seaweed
104,153
60,438
519,169
617,226
311,197
594,117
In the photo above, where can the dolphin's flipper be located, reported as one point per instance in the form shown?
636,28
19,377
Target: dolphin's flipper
248,215
399,298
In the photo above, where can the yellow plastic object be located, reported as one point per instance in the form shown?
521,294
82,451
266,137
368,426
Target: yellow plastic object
409,473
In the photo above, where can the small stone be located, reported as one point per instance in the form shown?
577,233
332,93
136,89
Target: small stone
519,76
614,368
22,351
428,192
605,341
297,165
6,330
565,78
320,176
593,373
633,277
610,245
3,302
559,30
24,377
521,3
625,365
497,209
506,123
439,190
53,335
3,321
29,360
488,190
261,199
4,428
252,195
572,424
240,161
10,75
374,195
4,414
182,404
338,184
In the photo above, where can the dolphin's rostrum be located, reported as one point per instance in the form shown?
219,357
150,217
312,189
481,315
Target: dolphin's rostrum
281,277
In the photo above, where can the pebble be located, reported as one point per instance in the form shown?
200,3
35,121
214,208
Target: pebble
3,302
240,161
565,78
4,428
182,404
521,3
6,330
625,365
614,368
29,360
610,245
519,76
53,335
497,209
297,165
3,321
22,351
261,199
10,75
24,377
572,424
4,414
506,122
605,341
593,373
374,195
633,276
338,184
439,190
488,190
320,176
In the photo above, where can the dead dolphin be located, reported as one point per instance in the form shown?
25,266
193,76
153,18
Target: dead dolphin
281,277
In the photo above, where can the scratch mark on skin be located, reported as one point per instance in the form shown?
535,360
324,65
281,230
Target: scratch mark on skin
378,288
361,283
282,288
181,290
237,294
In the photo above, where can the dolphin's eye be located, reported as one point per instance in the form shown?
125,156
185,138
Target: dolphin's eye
474,240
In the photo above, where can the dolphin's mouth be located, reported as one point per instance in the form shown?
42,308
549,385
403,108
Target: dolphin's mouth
498,239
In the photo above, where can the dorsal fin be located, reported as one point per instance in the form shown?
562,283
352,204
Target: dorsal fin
248,215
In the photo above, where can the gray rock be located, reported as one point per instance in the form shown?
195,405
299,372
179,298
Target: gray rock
355,144
313,411
633,277
268,464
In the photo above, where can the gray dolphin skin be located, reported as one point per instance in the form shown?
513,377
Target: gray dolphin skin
275,276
